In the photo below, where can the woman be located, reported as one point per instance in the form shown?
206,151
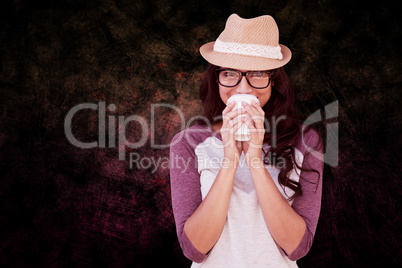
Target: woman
249,203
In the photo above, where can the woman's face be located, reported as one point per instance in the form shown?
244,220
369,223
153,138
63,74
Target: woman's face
263,94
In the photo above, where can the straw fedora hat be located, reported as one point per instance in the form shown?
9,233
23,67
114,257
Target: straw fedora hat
248,44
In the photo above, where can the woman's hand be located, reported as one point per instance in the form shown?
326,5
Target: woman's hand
255,122
231,122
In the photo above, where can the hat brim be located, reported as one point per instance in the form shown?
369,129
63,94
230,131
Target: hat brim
243,62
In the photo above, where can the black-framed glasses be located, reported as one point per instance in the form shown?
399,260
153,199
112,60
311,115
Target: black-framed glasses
256,79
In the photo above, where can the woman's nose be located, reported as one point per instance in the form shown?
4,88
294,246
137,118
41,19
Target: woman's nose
243,87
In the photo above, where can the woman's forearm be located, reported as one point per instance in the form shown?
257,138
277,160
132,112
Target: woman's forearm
285,225
204,227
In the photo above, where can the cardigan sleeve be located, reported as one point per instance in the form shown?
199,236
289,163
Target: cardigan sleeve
185,190
308,205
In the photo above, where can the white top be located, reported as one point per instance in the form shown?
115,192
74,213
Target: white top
245,240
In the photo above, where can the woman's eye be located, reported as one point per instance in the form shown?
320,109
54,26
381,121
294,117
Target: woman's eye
258,75
230,74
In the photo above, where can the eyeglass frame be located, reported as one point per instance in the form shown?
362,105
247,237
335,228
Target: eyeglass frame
270,74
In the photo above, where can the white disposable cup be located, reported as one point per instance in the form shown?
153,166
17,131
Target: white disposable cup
243,133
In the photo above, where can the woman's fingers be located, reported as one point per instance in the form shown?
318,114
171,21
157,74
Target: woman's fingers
255,123
254,107
256,113
227,133
257,106
232,117
257,134
229,124
233,114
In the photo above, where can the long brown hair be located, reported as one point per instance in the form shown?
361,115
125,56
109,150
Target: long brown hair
280,105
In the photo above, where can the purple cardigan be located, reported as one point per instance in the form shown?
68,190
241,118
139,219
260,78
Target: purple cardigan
186,193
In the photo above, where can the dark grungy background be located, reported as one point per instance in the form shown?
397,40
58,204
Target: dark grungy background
71,207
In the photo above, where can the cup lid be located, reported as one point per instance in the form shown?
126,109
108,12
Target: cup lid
245,97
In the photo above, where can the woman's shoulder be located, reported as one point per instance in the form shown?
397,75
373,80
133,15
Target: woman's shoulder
309,139
192,135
